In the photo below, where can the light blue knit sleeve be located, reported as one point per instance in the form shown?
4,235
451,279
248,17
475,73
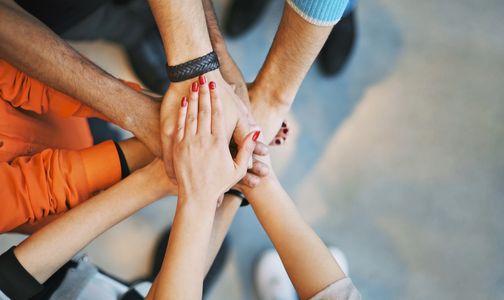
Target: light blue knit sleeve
319,12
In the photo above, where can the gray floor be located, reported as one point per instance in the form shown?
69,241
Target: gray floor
399,161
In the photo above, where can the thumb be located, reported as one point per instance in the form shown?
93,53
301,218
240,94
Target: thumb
245,152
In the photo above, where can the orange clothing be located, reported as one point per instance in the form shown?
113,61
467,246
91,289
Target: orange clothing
47,161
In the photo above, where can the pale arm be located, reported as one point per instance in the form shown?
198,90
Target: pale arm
183,270
310,265
60,240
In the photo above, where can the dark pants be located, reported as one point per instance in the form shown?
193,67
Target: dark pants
124,24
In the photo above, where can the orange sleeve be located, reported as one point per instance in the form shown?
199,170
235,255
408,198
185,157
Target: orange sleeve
54,181
30,94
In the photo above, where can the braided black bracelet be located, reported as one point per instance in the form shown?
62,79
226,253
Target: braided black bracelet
238,194
193,68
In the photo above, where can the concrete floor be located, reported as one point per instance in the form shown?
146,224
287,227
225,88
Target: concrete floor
399,161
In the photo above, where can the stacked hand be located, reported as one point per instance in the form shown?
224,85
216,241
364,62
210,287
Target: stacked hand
203,165
236,122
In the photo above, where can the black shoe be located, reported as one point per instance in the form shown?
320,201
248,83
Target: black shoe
338,47
242,15
213,273
148,60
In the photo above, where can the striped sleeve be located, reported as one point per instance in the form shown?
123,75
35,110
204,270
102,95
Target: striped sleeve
320,12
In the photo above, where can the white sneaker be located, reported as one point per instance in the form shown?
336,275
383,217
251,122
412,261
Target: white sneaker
271,280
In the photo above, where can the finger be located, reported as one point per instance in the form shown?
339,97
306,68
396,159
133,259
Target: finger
217,119
259,169
250,180
167,157
277,142
245,152
261,149
220,200
204,109
192,111
181,119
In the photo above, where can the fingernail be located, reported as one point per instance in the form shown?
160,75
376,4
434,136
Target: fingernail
285,130
256,135
184,102
212,85
202,79
284,125
195,87
278,142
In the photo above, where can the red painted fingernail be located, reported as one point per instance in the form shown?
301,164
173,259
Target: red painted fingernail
212,85
202,79
195,87
278,142
184,102
256,135
286,130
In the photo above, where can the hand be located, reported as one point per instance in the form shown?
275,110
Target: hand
236,123
203,165
269,112
158,178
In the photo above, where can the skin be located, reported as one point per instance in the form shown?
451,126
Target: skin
309,263
36,50
295,47
200,140
60,240
186,38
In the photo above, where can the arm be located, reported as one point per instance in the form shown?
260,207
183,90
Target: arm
30,46
295,47
200,141
28,93
229,70
310,265
185,36
60,240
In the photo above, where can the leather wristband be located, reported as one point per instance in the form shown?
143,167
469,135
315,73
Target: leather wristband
238,194
193,68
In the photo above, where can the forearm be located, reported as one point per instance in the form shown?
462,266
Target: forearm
60,240
222,221
306,258
229,70
137,155
183,29
183,270
295,47
34,49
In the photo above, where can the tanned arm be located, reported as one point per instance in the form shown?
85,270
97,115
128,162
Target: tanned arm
35,49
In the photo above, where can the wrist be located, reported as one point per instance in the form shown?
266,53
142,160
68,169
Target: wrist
266,184
273,93
153,180
196,201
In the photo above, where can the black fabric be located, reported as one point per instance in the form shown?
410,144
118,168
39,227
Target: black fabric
132,294
54,282
60,15
15,282
125,171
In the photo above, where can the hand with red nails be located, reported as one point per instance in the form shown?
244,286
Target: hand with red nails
203,165
236,122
